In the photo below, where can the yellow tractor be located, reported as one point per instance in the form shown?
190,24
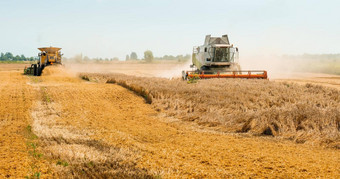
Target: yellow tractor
47,56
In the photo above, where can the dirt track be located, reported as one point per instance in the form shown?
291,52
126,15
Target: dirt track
16,99
109,131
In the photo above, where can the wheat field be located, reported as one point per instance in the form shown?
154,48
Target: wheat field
59,125
302,113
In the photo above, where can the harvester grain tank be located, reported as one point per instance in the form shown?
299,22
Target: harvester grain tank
217,58
47,56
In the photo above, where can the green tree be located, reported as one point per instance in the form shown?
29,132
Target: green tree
2,56
127,58
22,58
16,58
133,56
8,56
148,56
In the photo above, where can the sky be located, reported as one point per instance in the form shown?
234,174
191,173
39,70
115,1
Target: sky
115,28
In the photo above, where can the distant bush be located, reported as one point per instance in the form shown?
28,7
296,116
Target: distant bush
148,56
133,56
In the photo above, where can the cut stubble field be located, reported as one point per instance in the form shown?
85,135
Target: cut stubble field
95,129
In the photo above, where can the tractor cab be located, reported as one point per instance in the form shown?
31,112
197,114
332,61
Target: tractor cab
47,56
224,53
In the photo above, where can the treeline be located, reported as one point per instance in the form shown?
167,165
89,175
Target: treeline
171,57
83,59
8,56
149,57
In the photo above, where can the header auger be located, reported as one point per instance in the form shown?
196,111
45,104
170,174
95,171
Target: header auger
217,58
47,56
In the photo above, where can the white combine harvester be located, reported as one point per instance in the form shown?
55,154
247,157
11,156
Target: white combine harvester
217,58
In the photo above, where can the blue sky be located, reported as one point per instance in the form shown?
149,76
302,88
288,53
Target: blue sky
110,28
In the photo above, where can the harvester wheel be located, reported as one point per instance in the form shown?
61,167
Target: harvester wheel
39,71
35,70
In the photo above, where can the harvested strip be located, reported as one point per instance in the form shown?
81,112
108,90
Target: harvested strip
16,144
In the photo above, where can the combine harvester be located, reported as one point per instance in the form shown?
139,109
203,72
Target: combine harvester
218,59
47,56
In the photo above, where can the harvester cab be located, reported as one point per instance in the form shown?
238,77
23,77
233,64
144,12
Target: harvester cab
217,58
47,56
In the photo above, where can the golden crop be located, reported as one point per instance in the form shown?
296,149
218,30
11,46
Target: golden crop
58,125
302,113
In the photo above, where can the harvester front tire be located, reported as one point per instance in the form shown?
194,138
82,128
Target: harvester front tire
35,70
39,71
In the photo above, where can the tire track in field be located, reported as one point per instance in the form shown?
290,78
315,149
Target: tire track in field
16,98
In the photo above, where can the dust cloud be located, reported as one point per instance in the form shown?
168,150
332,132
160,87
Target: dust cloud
277,66
166,69
293,67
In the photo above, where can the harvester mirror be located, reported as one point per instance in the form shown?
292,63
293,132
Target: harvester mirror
195,49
